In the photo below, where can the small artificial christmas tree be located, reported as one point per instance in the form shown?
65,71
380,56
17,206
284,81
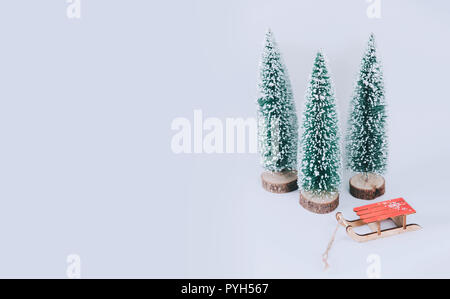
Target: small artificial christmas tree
366,138
319,168
277,122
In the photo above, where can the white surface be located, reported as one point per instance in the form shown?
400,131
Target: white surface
85,161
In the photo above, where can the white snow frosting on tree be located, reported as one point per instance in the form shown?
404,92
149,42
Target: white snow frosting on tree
319,168
366,136
277,118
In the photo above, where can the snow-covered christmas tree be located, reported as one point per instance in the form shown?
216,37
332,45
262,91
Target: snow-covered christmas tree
277,122
366,137
319,168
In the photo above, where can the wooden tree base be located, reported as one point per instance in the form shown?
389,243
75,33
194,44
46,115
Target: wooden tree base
279,182
369,187
319,204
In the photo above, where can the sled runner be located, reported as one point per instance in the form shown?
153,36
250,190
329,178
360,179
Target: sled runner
372,215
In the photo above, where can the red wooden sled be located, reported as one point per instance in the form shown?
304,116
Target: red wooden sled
372,215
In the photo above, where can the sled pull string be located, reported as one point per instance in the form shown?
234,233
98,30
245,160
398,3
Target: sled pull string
325,254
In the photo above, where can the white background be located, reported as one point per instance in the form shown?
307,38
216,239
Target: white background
86,165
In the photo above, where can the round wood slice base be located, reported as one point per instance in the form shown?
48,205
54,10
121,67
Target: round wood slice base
319,204
369,187
279,182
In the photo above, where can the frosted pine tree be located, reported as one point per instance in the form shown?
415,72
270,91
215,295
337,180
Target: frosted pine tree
319,168
277,118
366,136
277,122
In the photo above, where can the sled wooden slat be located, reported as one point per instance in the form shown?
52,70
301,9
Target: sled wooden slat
379,208
378,204
384,210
